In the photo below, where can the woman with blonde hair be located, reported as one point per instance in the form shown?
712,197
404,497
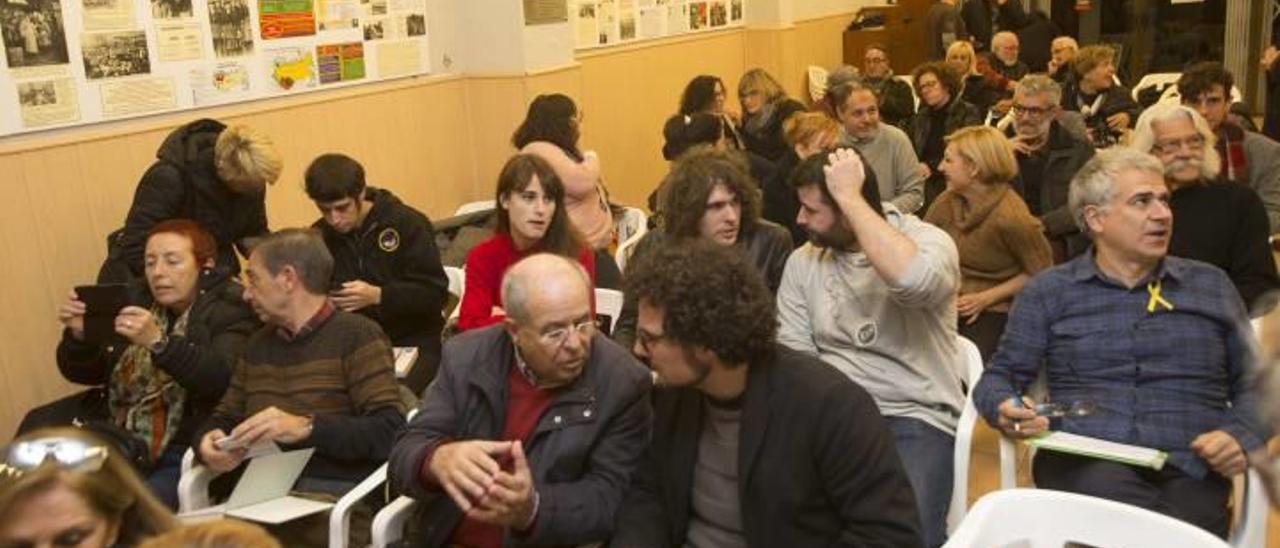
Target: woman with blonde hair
1001,245
765,107
206,171
806,133
66,487
978,91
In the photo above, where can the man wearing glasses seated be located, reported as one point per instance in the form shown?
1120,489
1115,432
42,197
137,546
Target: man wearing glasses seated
1159,346
531,428
1050,146
754,444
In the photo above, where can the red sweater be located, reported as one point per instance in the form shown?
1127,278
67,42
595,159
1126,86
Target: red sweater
486,264
525,405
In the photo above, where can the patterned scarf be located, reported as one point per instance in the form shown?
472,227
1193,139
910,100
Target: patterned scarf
1231,148
143,398
755,124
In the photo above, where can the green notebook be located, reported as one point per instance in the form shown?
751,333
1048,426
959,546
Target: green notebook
1076,444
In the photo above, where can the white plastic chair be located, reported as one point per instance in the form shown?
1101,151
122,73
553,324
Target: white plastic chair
817,82
193,494
472,207
457,285
911,84
632,221
964,434
625,249
609,301
1043,518
1156,79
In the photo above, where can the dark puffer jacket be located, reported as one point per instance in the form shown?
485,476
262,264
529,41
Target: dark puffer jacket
183,184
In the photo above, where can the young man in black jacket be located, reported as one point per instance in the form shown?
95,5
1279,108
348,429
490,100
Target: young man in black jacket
386,265
754,444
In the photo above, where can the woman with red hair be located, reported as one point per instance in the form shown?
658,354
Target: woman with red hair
171,359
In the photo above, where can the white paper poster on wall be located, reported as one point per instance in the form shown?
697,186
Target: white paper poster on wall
76,62
600,23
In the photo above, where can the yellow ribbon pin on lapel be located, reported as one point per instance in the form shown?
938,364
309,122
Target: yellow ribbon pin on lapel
1156,299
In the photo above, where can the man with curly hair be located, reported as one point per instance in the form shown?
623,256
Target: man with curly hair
710,195
754,444
874,295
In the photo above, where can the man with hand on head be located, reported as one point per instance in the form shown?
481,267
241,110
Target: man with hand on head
754,444
531,429
874,296
385,263
313,376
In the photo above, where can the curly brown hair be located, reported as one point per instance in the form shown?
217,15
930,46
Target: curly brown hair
711,296
693,177
947,75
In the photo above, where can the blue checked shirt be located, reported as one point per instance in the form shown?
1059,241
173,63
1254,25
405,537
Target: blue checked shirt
1159,379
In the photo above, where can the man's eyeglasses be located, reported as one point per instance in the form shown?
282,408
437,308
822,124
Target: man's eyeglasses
65,453
1165,146
557,337
1034,112
647,339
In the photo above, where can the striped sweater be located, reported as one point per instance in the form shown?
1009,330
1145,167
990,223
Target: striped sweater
341,372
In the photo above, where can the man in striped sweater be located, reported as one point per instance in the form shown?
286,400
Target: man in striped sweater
313,376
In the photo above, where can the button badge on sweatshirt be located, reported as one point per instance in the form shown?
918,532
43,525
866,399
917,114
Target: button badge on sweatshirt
867,334
389,240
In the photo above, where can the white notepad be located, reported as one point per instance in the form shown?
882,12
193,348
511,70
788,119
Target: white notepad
1077,444
262,494
405,357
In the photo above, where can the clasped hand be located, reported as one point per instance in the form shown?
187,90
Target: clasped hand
469,471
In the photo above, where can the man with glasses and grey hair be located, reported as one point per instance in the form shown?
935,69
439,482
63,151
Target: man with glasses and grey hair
531,428
1137,347
1219,222
1050,147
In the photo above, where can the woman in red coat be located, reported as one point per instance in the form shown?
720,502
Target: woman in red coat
531,219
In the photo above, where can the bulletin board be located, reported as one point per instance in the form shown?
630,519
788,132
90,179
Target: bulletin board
77,62
602,23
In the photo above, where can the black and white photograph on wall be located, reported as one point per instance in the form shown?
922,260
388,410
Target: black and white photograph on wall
115,54
719,14
33,33
735,10
171,9
373,29
34,94
231,28
415,24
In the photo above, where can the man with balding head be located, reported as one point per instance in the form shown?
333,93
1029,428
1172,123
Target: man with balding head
531,428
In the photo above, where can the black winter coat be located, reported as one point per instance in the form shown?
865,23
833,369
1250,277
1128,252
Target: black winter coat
1066,155
183,184
817,464
200,362
769,141
395,249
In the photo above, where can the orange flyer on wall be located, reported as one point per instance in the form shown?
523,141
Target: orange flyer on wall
286,18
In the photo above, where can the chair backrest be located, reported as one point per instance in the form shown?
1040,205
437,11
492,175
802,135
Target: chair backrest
457,286
631,221
1042,518
964,433
817,82
625,249
609,303
911,84
472,207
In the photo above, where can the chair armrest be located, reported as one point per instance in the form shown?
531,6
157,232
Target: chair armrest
388,525
963,448
340,514
1251,530
193,485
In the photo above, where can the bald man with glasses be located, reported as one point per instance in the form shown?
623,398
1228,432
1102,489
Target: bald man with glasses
531,428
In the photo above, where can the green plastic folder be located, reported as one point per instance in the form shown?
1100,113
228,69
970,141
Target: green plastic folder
1075,444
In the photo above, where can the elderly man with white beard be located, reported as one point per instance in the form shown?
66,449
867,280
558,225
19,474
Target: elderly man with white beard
1221,223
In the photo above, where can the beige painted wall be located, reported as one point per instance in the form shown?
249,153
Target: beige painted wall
437,142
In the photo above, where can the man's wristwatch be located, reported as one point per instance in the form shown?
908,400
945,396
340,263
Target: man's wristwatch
160,344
